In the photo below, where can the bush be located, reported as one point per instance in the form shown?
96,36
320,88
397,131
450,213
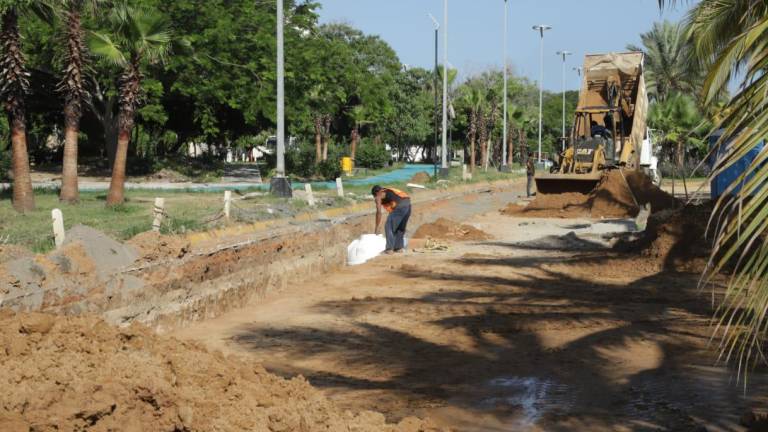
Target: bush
329,169
300,161
371,155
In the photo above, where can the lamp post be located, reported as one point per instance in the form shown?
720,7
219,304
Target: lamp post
541,28
437,127
578,71
564,54
504,166
279,185
444,169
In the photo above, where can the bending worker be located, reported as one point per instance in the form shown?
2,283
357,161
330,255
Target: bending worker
398,204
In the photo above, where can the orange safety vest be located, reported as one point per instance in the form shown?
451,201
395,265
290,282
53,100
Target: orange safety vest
390,206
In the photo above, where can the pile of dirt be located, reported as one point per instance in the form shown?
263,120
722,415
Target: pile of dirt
619,194
446,229
79,373
153,246
107,254
675,239
9,252
420,177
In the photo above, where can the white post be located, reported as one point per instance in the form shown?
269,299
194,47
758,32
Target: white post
339,187
310,195
227,204
504,142
58,227
444,156
159,212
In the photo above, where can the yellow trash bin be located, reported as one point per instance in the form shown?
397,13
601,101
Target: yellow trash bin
347,165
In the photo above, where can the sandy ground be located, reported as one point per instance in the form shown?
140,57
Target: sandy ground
539,328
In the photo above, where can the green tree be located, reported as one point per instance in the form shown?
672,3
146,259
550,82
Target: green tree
681,126
669,64
137,36
14,86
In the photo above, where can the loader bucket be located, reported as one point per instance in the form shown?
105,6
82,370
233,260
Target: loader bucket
564,183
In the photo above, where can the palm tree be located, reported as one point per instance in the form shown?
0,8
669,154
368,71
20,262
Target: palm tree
137,36
73,87
14,85
680,123
668,63
729,36
474,99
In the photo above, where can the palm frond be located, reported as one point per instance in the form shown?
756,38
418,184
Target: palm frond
102,45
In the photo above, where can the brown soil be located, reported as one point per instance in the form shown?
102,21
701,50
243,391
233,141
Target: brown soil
153,246
675,239
488,336
9,252
80,374
420,178
446,229
612,198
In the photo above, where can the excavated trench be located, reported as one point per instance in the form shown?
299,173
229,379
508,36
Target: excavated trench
220,273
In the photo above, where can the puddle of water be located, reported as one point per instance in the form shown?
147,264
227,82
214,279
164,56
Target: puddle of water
531,397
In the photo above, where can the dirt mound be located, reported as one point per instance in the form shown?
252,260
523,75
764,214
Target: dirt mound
153,246
420,177
675,239
78,373
108,254
618,195
446,229
9,252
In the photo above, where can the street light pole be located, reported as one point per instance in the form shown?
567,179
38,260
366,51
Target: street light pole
504,139
541,28
280,185
434,113
578,73
444,165
564,54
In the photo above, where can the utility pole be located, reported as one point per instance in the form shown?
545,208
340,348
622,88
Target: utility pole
437,127
279,185
541,28
564,54
444,169
504,144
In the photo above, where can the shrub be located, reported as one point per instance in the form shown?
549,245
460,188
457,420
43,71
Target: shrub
329,169
371,155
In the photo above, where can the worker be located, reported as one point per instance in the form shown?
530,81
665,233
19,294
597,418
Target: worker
599,130
398,205
530,170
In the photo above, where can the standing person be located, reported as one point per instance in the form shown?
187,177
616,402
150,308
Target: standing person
530,170
398,204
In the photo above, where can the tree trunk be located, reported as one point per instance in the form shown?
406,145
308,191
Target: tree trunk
23,196
353,147
472,153
511,145
318,139
74,92
680,155
116,193
483,135
69,187
14,84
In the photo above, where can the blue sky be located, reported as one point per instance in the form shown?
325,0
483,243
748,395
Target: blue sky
476,29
